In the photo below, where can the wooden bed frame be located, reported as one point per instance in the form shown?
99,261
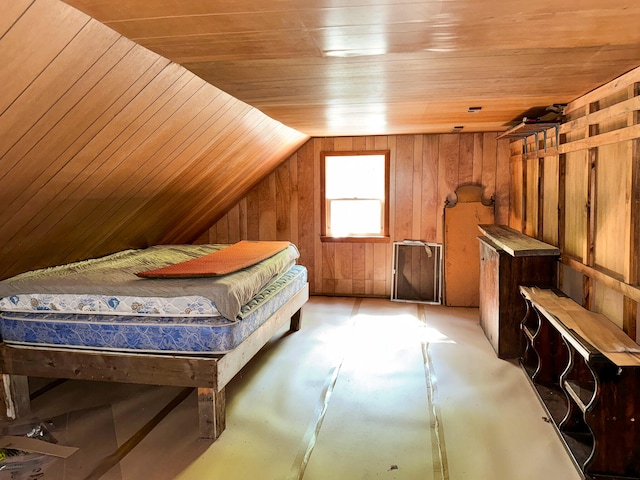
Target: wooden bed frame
208,373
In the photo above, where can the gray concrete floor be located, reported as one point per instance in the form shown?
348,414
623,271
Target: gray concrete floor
367,389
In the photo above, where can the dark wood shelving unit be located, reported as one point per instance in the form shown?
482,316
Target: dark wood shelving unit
586,372
529,127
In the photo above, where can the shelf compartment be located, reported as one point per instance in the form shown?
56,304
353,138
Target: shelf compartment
595,399
581,393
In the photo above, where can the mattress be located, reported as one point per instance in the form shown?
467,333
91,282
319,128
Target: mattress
110,285
151,333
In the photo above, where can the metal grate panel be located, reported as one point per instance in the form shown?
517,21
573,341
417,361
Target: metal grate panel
417,272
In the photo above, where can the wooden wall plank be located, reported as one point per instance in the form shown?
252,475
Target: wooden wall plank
60,22
358,265
11,12
268,221
403,198
502,182
293,200
478,156
466,158
516,214
449,149
612,200
306,206
368,269
79,66
253,213
576,181
329,276
430,200
233,218
488,162
551,175
283,213
379,269
344,268
531,195
416,187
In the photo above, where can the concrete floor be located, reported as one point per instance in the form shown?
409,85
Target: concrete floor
367,389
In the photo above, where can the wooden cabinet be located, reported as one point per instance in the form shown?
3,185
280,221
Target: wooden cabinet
586,372
509,259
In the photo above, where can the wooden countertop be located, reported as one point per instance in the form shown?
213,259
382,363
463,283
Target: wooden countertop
515,243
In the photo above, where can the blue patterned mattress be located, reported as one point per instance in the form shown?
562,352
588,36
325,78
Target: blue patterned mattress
162,334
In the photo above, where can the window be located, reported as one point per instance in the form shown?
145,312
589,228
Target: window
355,188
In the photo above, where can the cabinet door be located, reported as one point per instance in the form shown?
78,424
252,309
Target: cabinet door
490,293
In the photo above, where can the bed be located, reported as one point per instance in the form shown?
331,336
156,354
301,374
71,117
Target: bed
176,315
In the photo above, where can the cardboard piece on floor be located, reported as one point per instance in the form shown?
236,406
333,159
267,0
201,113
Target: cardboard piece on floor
36,446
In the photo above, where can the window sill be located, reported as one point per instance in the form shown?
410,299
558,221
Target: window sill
380,239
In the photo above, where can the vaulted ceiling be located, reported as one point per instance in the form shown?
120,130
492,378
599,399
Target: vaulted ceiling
362,67
105,145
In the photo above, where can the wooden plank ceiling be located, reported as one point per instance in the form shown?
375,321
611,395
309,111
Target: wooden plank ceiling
362,67
105,145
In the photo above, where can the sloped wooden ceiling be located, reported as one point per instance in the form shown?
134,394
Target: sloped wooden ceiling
105,145
365,67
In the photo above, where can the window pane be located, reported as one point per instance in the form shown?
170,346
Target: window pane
355,217
355,176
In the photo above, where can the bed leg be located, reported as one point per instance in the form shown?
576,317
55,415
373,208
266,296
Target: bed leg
15,396
296,321
211,411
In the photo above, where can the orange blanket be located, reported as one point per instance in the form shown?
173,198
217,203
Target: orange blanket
230,259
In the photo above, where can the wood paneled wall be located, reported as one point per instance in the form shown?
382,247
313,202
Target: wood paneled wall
425,169
583,195
105,145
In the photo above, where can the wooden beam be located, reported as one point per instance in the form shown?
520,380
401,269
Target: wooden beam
540,219
628,106
613,283
629,317
592,130
632,265
615,136
149,369
232,362
211,412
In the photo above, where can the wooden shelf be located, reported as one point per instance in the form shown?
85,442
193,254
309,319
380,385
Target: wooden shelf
588,377
528,332
581,394
527,128
515,243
